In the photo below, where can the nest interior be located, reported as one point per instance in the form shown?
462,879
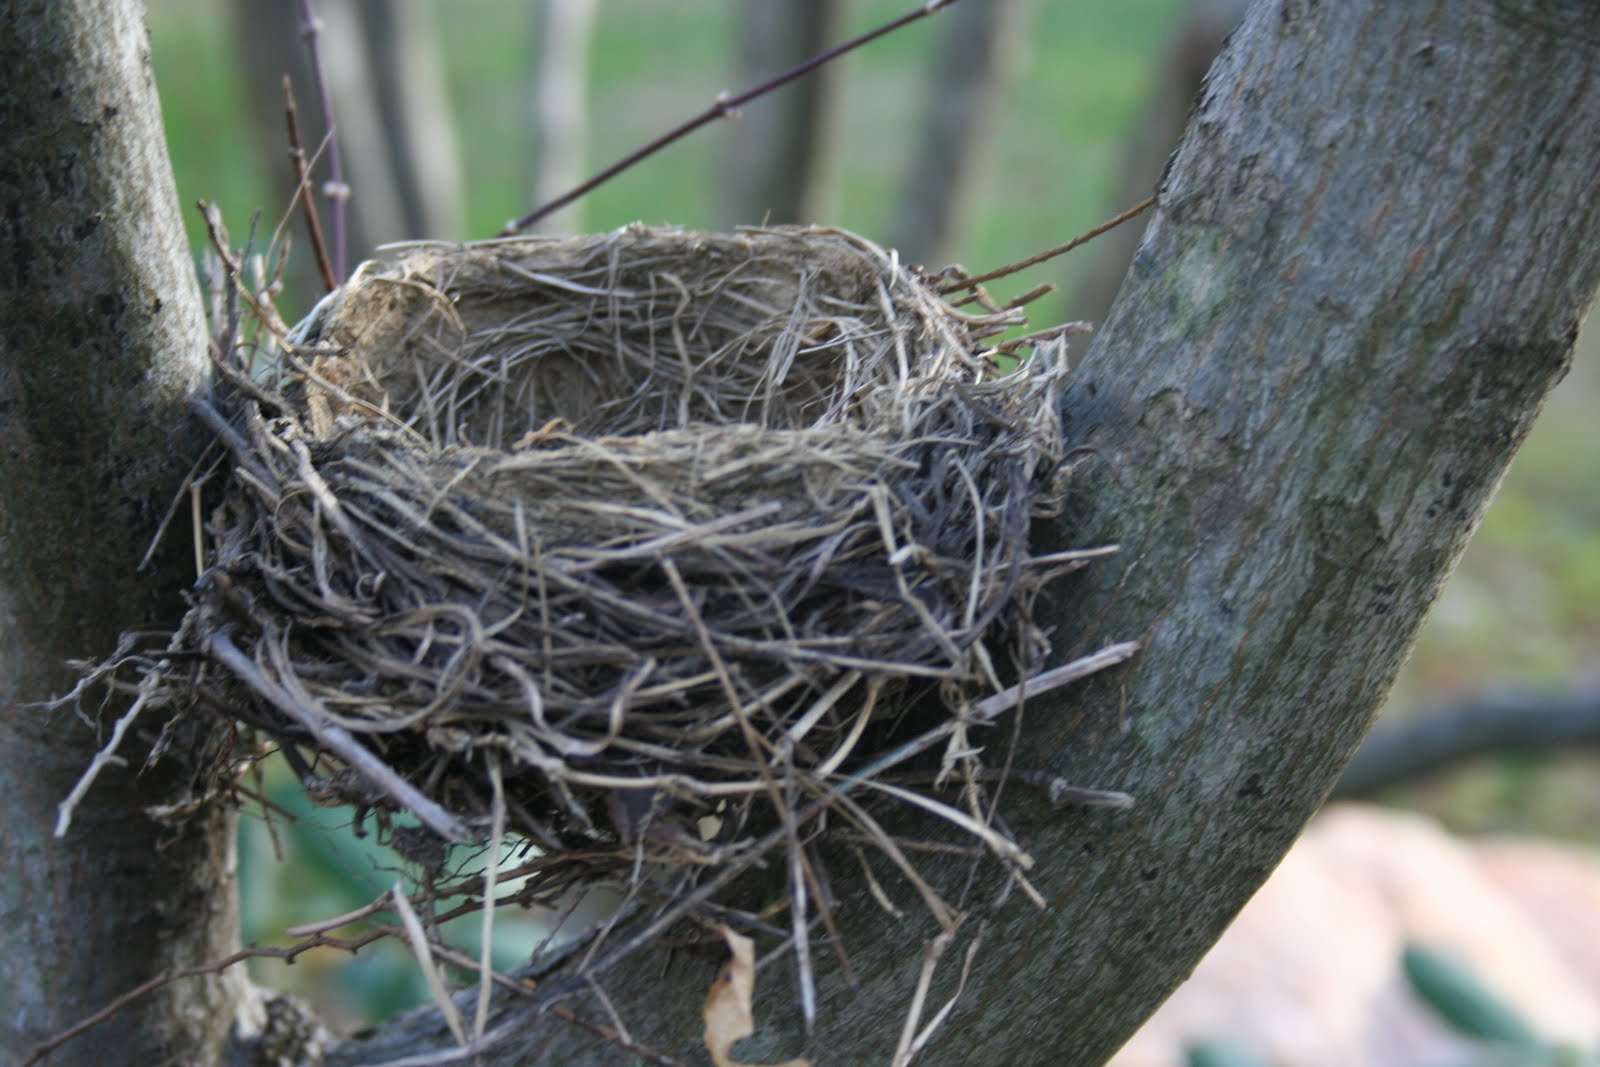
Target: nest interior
655,524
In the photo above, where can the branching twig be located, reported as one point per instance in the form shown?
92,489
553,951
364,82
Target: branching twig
89,1022
1049,253
108,752
289,953
335,188
726,106
302,188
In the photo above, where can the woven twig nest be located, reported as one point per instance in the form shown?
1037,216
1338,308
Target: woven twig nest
659,525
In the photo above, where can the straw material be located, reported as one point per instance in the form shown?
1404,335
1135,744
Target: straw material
672,530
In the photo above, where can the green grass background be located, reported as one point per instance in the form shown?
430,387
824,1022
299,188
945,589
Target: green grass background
1523,607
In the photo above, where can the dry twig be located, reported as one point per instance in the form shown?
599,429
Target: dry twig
725,106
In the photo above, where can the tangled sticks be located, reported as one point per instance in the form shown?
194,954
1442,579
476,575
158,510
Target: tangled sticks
645,540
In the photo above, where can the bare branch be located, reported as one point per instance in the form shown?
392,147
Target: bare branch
724,107
302,188
335,189
1438,738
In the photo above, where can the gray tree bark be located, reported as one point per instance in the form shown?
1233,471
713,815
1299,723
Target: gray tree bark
775,151
103,340
1368,265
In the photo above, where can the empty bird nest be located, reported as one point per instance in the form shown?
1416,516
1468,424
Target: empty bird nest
652,541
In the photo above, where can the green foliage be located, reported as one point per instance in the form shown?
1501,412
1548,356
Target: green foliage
1461,1000
1220,1053
1465,1003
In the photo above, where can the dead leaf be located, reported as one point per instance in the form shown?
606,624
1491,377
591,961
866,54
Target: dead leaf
727,1008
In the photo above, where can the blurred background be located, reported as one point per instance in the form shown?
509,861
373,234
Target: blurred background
980,136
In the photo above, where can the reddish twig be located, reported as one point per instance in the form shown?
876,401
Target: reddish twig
525,988
289,954
302,187
1049,253
725,106
335,189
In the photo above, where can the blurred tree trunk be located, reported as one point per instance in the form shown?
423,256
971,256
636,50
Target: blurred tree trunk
563,35
963,89
1435,739
1189,54
412,99
102,345
1368,265
776,150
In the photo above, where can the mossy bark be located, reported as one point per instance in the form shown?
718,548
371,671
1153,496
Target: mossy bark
1369,262
103,341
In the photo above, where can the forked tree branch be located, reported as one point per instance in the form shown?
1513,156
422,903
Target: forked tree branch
1367,266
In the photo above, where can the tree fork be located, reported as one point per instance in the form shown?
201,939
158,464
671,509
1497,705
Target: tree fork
1368,265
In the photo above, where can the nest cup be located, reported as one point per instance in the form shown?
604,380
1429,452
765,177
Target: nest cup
627,530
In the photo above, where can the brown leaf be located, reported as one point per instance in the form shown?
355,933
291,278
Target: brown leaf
727,1008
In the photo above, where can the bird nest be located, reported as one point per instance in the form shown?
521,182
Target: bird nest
651,541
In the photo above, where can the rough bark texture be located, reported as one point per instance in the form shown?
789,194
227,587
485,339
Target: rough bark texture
1369,263
775,151
961,97
103,340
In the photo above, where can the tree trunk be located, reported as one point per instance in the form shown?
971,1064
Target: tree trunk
563,35
962,92
412,98
103,342
1368,265
776,148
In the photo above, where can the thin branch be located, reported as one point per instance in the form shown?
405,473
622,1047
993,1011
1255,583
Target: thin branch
524,988
422,949
1043,682
89,1022
725,107
335,189
302,187
108,752
1049,253
491,869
